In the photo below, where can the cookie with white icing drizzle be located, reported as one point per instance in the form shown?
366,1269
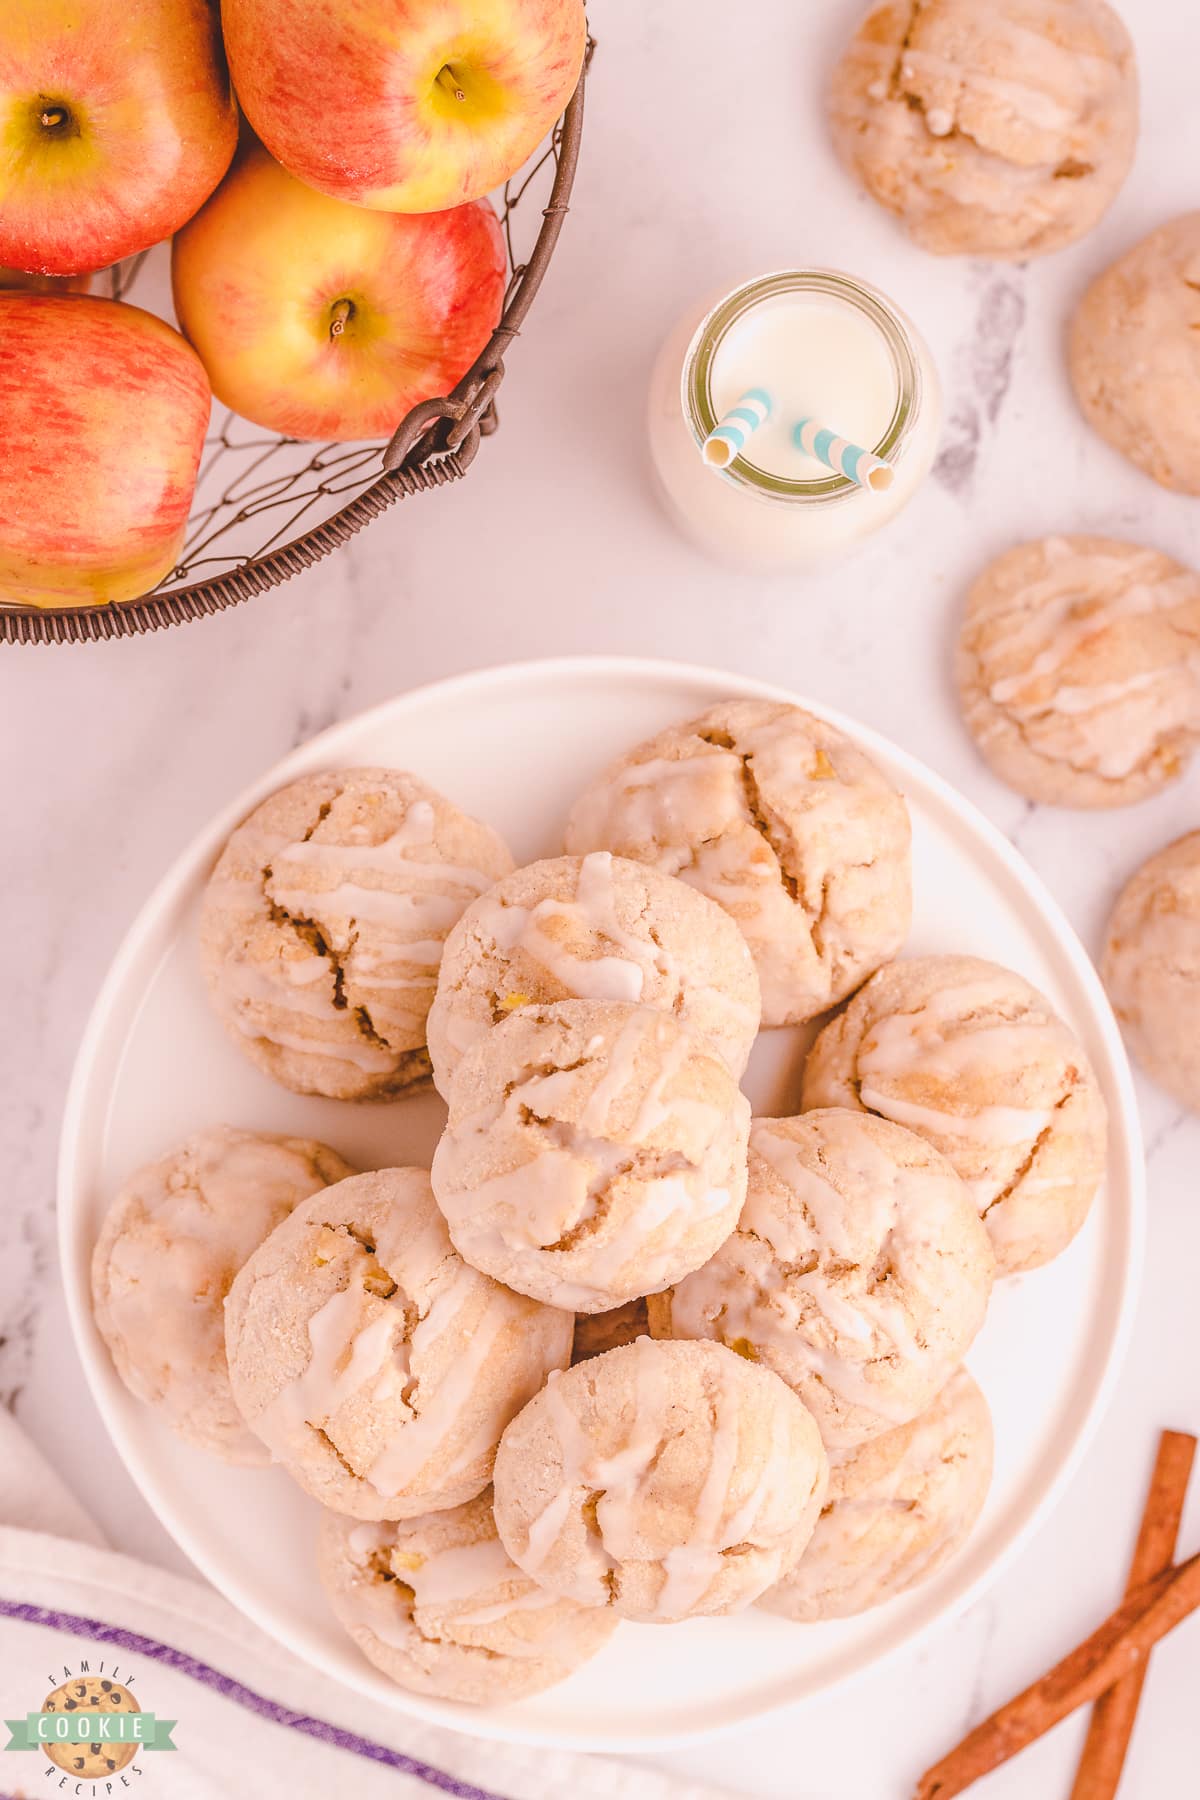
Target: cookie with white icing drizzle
988,127
596,927
1151,967
169,1248
662,1481
373,1363
594,1152
324,922
438,1604
1078,668
784,822
976,1061
897,1509
859,1271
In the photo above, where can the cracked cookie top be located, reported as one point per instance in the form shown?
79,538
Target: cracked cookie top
596,927
1078,668
997,128
372,1362
897,1509
439,1605
1151,966
324,921
661,1480
169,1248
786,824
594,1152
859,1271
973,1059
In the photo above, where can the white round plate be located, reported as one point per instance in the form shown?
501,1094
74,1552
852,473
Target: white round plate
515,745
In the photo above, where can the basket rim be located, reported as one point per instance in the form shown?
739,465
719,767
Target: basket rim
433,445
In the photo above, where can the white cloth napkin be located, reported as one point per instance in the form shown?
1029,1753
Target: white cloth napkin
253,1722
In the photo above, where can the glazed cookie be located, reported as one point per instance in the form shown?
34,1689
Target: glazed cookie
439,1605
859,1271
786,824
976,1062
1151,967
92,1761
597,1332
324,921
1002,129
1134,354
1079,669
660,1480
897,1509
168,1250
594,1152
373,1363
595,927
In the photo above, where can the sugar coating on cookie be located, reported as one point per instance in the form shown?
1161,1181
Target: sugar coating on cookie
595,1152
324,921
1134,354
660,1480
169,1248
372,1362
975,1060
596,927
784,822
1002,129
897,1509
859,1271
1078,669
597,1332
1151,967
438,1604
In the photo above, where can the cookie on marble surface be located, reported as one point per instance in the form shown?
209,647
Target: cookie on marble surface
597,927
597,1332
323,926
438,1604
1151,967
595,1151
859,1271
1134,354
1000,130
372,1362
660,1480
897,1509
784,822
91,1694
169,1248
974,1060
1078,668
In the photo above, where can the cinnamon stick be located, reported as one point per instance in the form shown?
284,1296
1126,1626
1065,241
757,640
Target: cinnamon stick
1111,1727
1115,1649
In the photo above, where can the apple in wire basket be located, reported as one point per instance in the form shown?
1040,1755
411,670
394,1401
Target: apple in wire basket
103,411
317,319
404,105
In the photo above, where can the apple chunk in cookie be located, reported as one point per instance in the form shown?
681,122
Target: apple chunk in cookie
594,1152
785,823
324,921
372,1362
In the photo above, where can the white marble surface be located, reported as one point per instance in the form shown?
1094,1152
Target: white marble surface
704,156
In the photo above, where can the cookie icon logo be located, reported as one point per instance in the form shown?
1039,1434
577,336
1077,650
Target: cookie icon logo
91,1727
90,1694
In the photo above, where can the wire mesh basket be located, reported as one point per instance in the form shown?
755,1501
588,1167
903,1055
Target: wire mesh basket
255,490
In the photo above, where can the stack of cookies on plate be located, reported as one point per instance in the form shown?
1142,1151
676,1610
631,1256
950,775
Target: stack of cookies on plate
623,1352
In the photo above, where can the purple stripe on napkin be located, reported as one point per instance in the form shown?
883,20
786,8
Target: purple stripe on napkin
229,1689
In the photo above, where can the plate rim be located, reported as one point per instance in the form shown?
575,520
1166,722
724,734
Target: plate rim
631,671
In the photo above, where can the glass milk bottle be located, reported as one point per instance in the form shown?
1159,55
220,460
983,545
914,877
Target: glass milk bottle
825,346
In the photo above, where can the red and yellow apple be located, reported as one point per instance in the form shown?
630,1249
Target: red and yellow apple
404,105
321,320
103,410
116,122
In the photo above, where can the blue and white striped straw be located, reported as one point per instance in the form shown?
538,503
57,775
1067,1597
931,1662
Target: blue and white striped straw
844,458
728,438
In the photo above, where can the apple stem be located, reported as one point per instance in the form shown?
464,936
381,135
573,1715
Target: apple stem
447,79
52,118
343,312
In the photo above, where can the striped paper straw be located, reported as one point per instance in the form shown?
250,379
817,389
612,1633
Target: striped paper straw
727,439
847,459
